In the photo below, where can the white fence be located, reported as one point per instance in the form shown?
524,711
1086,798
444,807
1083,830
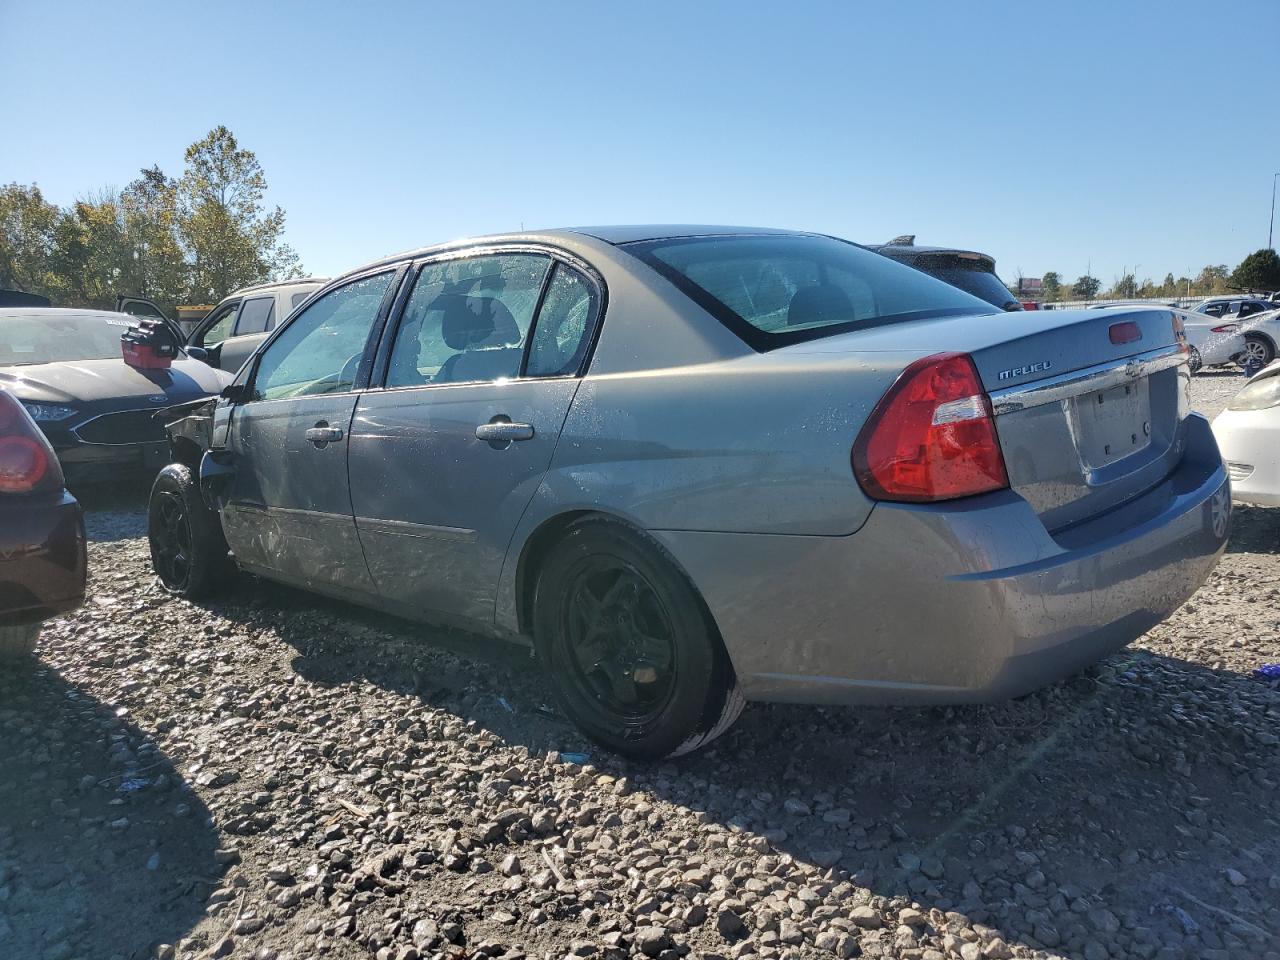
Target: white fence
1155,302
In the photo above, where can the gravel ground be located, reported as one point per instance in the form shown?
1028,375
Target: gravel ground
277,776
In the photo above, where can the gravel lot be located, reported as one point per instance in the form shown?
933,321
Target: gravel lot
279,776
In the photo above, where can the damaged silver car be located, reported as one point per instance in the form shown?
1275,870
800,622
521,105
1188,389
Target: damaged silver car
696,466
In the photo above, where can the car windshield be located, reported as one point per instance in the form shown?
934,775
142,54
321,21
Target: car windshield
779,289
54,337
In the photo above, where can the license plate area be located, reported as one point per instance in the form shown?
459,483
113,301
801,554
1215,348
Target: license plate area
1112,424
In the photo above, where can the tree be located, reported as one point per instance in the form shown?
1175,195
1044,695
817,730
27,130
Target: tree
1212,279
1125,288
1086,288
158,269
1052,284
230,240
27,224
1260,270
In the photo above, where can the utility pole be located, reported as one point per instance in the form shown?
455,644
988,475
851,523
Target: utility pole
1272,227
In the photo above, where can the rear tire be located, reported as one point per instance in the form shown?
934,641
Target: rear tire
18,642
188,551
1258,348
634,657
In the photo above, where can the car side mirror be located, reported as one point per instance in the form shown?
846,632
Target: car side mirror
235,392
198,353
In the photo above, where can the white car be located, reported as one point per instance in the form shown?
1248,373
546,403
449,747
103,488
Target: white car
1248,433
1213,342
1262,334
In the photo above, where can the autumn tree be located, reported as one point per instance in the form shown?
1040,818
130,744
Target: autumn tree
231,240
27,223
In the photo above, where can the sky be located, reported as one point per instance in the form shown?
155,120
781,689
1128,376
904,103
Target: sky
1054,136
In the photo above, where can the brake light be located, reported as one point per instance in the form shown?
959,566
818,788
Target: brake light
1226,328
932,436
27,462
1125,332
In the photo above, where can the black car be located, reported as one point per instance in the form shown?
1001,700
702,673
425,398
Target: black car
972,272
67,369
42,545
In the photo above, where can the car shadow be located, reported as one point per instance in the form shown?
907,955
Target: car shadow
115,511
1046,819
104,849
1254,529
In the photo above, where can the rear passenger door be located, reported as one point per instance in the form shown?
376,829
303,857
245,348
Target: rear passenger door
446,455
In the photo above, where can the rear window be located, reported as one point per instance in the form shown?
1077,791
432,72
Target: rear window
775,290
971,276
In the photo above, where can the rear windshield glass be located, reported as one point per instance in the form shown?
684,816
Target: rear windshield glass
57,337
971,276
774,290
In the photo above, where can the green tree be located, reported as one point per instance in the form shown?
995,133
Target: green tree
1086,288
1212,279
1258,271
230,239
158,269
1052,282
91,259
27,223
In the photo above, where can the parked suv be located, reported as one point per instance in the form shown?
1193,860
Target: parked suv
972,272
233,329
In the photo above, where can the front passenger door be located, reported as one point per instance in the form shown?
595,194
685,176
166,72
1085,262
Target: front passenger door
288,511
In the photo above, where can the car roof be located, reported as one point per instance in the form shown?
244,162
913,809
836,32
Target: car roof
615,236
276,284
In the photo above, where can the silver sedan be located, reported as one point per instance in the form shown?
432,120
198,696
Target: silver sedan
695,466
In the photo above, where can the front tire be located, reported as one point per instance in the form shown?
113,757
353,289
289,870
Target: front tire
188,551
634,657
18,642
1194,362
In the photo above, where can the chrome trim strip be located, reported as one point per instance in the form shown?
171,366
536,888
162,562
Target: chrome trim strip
421,531
1090,379
290,514
75,431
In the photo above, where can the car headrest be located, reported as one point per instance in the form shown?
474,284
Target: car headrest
471,322
825,303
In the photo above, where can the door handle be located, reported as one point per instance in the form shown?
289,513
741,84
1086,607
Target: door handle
504,431
322,434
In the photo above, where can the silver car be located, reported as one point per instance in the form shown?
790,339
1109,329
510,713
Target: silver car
695,466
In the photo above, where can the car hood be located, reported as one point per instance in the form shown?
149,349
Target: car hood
87,381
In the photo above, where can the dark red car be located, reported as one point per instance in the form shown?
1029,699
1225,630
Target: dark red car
42,545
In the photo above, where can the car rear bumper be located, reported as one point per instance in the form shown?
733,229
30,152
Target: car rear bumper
1250,445
968,601
42,557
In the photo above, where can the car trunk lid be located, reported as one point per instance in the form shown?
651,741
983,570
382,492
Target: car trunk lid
1089,413
1089,404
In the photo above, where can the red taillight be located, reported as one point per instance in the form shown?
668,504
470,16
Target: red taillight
27,462
932,436
1126,332
1226,328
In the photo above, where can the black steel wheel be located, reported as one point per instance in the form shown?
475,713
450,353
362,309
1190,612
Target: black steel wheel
634,657
619,637
188,551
